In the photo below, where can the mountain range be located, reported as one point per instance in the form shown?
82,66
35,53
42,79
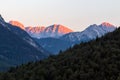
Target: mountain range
20,44
57,38
54,31
91,32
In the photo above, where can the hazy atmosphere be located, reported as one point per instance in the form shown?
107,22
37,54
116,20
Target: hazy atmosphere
76,14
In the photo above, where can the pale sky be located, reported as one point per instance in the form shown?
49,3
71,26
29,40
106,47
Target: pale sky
75,14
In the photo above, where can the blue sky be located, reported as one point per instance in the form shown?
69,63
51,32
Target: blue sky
76,14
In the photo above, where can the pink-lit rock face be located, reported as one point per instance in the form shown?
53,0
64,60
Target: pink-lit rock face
18,24
62,29
50,31
107,24
37,29
58,29
43,32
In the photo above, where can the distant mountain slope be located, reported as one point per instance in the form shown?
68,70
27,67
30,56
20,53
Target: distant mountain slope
53,31
90,33
53,45
95,60
15,27
17,47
